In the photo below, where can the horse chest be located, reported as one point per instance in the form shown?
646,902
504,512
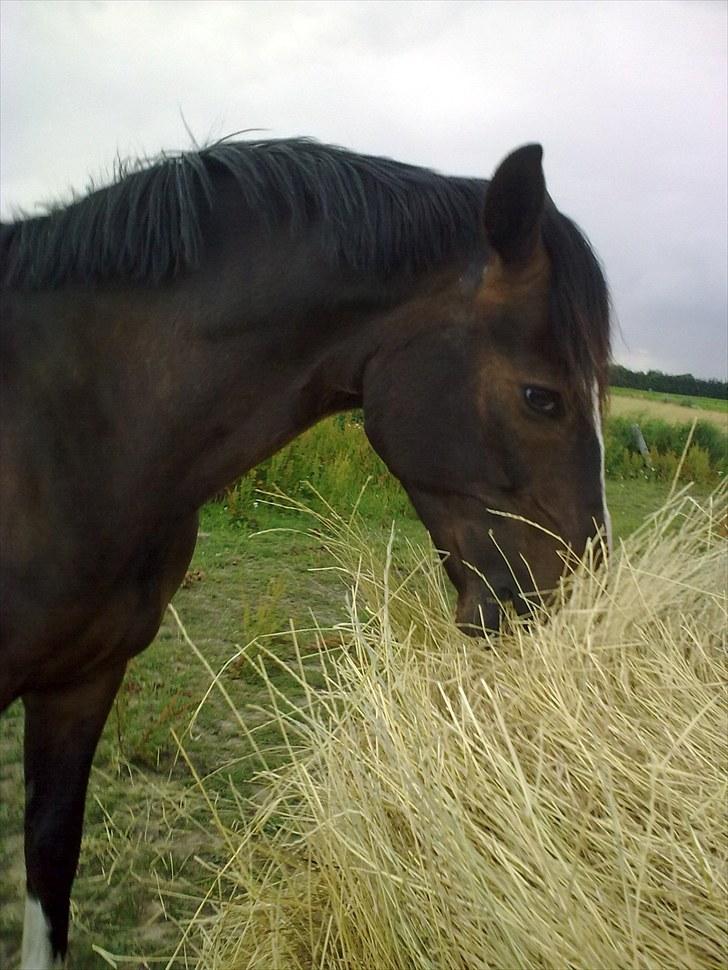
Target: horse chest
129,617
81,633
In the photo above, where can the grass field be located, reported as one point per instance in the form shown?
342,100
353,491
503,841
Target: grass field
674,408
685,400
241,586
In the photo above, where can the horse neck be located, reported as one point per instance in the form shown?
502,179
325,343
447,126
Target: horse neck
259,386
195,382
231,376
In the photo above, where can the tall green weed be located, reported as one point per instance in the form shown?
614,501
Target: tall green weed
705,462
334,457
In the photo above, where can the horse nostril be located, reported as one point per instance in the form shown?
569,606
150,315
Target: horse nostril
478,615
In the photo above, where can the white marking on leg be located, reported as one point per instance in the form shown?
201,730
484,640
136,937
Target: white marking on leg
37,950
600,439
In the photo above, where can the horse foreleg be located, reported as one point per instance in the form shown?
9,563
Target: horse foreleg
62,728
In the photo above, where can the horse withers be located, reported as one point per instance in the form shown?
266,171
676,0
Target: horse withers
163,335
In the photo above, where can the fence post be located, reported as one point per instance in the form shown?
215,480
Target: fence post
641,445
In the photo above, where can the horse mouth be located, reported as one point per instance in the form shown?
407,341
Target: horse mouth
482,615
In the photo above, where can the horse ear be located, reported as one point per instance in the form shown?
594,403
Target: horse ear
514,204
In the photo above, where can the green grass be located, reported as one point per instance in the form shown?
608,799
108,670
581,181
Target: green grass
630,502
241,586
684,400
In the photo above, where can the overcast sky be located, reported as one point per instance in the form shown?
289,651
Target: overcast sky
627,98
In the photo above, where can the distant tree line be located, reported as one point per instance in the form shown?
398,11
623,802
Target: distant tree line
655,380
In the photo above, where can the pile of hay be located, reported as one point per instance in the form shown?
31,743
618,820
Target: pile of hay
558,800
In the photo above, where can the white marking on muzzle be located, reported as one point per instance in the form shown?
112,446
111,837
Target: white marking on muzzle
600,439
37,950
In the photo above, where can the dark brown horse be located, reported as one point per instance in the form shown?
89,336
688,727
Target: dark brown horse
163,335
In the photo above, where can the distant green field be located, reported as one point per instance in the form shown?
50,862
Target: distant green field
683,400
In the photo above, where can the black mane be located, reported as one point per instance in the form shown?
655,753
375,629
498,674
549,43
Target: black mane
580,306
375,214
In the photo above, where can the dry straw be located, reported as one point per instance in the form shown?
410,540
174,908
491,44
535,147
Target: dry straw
555,798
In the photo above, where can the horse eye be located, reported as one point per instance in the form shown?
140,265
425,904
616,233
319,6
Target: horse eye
542,400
